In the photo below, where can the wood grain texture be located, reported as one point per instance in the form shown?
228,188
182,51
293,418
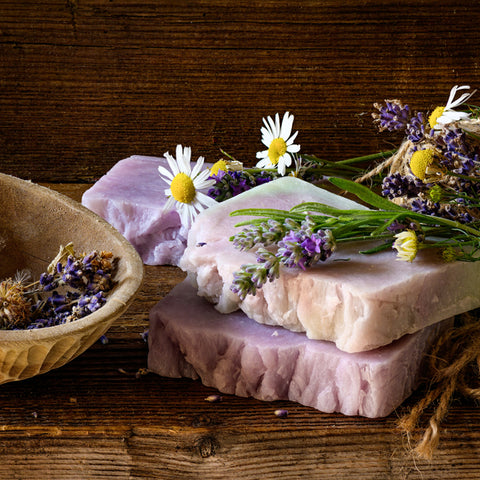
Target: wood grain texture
98,417
84,83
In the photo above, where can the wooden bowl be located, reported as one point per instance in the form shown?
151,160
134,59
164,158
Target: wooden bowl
34,222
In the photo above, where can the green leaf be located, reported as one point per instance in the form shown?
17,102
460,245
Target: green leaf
365,194
378,248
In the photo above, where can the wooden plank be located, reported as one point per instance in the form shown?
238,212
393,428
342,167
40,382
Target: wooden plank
84,84
99,417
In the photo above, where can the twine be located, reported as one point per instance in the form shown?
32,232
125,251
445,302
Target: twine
396,163
453,366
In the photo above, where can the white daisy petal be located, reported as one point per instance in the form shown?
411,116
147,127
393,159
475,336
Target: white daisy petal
286,127
265,163
262,154
451,103
203,181
277,125
172,163
169,204
453,91
179,152
286,159
205,199
198,167
293,148
267,124
165,173
292,138
273,129
184,161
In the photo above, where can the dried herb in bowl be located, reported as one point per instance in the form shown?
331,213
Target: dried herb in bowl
73,286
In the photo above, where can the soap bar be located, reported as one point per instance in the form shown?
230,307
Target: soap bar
131,197
359,302
238,356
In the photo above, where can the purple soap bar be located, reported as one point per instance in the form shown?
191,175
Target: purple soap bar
236,355
131,197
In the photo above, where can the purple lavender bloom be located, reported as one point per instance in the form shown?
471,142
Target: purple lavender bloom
48,282
425,207
231,184
392,116
251,277
303,250
415,128
290,249
396,185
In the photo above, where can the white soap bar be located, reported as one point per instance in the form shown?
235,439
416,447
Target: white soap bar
359,302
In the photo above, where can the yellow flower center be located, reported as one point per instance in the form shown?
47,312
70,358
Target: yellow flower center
182,188
435,115
220,165
277,148
420,161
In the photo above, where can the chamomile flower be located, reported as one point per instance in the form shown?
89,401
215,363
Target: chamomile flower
441,116
406,244
185,184
276,136
226,166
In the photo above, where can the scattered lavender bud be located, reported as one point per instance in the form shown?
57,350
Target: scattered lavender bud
281,413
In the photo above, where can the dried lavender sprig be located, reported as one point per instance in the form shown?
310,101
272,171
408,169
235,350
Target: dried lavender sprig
253,276
265,233
300,247
71,288
392,115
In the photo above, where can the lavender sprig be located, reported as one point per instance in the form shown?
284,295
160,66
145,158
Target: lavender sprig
72,287
319,229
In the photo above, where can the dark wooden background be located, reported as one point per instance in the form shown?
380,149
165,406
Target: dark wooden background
85,83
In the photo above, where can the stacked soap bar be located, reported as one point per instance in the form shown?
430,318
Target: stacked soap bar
131,197
359,302
347,335
236,355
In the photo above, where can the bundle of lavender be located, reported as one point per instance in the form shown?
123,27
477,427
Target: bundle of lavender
73,286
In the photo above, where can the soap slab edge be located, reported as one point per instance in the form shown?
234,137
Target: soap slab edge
238,356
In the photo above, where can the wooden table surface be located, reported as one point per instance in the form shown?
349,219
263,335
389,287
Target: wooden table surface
85,83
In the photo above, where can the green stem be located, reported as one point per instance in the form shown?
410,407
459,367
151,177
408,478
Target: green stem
367,158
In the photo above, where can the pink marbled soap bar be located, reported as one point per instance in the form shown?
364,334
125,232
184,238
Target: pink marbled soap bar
236,355
359,302
131,197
